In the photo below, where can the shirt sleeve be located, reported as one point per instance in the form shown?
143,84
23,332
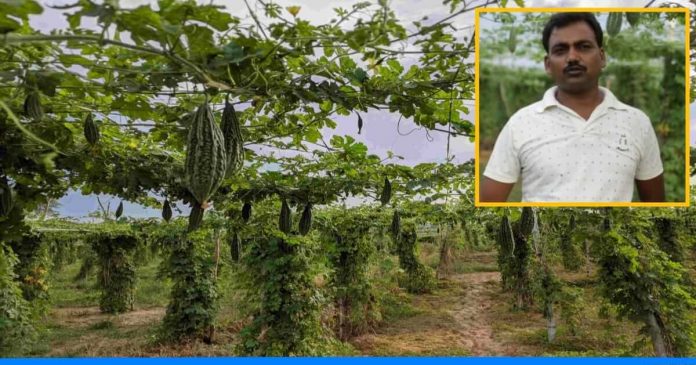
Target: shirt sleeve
650,164
504,164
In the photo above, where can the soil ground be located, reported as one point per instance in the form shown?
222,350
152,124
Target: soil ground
454,320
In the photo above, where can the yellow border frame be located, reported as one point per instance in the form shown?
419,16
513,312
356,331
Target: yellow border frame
687,134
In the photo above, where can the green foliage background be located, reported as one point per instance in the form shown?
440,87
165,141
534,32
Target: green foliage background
645,69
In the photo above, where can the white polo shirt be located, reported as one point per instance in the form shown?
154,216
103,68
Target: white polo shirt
565,158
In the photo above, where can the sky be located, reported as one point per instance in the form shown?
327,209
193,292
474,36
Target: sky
380,127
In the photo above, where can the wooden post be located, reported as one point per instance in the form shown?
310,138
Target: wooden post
656,336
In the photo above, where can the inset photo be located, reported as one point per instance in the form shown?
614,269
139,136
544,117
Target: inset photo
582,107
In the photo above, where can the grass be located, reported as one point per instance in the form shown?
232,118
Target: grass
582,345
67,292
396,306
472,262
151,290
463,260
394,302
231,310
103,325
597,335
75,322
54,335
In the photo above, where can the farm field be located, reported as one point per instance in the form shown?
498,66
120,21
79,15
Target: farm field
466,314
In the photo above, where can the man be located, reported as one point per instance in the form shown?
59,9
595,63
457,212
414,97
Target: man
579,143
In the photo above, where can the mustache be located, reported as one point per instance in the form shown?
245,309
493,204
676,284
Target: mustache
573,67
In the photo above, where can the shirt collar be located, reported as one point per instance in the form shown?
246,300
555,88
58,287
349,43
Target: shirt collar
549,100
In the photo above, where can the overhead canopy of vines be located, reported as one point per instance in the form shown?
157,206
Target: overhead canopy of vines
138,74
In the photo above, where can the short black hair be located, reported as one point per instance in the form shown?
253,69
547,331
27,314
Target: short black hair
560,20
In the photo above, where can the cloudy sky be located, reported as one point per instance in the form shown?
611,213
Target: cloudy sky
380,130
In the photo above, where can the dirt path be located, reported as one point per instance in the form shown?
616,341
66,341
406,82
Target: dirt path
472,313
454,320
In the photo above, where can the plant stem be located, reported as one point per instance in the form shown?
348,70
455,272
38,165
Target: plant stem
89,38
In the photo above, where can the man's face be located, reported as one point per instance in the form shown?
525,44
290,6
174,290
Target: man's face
574,61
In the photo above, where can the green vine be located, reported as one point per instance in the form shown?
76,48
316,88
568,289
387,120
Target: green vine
504,239
519,268
419,278
62,252
16,325
192,306
116,278
32,269
645,285
667,239
280,279
349,254
571,256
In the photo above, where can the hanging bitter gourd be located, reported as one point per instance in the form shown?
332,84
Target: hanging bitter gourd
196,216
32,106
606,224
396,224
306,220
633,18
505,236
119,210
285,220
512,40
614,23
527,221
234,143
246,211
235,247
505,250
386,192
6,198
166,210
90,130
206,158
